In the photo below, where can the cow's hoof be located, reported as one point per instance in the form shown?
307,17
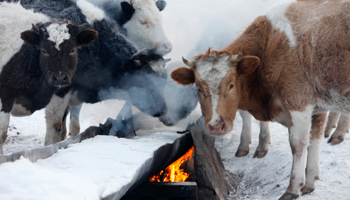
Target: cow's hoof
259,154
327,132
288,196
240,153
306,190
166,121
335,140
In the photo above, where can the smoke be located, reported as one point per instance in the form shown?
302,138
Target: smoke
143,89
187,21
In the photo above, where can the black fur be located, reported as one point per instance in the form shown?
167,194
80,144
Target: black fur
23,80
120,11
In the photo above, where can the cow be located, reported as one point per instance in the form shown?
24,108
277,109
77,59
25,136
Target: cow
342,127
110,68
140,22
34,68
182,100
291,65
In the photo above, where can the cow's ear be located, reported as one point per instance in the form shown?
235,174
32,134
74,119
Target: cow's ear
183,75
160,5
247,65
127,8
85,37
31,37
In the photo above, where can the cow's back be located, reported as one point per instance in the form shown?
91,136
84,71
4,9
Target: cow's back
14,19
321,30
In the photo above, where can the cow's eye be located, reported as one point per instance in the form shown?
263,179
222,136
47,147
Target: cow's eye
143,22
231,86
44,52
200,91
73,51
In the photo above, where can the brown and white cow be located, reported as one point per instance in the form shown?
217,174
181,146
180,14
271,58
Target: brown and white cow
290,66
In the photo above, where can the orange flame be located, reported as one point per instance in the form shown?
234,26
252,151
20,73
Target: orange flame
173,173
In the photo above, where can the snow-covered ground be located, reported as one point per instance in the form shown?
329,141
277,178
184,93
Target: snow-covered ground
97,166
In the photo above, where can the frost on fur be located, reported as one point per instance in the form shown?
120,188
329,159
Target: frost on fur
58,33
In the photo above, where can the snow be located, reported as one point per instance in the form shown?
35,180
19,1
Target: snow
99,166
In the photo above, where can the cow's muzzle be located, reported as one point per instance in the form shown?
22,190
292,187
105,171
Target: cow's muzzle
219,128
61,79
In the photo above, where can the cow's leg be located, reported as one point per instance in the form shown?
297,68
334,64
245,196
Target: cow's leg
62,132
313,153
74,124
264,140
246,135
4,123
342,128
55,111
331,123
299,130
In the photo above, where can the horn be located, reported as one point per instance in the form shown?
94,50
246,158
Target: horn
188,63
132,2
137,63
35,28
236,57
160,5
80,27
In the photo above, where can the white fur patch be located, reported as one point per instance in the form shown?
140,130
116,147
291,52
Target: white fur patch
212,72
301,124
54,113
157,67
58,33
19,110
299,141
91,12
335,102
4,123
14,19
279,21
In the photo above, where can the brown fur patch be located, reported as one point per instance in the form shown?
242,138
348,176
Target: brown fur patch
318,124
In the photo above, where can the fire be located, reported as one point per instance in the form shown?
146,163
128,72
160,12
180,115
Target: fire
173,173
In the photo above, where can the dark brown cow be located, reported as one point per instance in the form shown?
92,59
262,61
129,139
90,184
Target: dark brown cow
290,66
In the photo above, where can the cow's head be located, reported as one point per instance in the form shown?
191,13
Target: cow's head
58,42
218,77
144,25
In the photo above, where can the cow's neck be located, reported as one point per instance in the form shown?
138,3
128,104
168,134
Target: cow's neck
253,40
254,97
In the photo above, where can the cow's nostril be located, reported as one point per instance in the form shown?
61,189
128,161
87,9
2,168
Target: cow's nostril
167,47
219,121
60,79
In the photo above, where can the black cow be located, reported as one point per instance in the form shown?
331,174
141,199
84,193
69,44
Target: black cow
33,71
109,64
